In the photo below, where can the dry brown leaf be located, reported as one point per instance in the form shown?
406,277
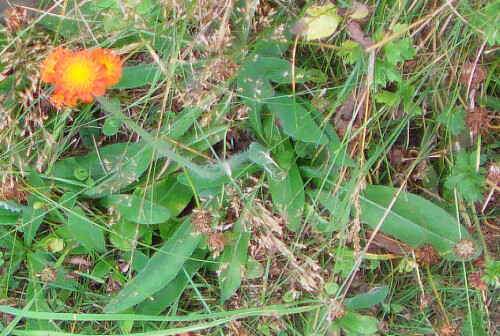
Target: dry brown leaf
355,31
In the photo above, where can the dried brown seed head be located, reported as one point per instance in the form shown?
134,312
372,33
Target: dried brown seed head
113,286
478,73
478,120
15,18
427,254
48,274
216,242
202,220
448,330
476,282
464,249
13,189
494,173
336,310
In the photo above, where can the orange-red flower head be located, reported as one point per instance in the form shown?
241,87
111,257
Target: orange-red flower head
81,74
113,65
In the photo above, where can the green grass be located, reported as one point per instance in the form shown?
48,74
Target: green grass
242,180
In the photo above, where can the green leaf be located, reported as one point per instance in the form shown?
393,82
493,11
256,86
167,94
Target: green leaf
388,98
278,70
138,75
182,122
85,231
386,71
169,193
7,216
399,51
111,126
114,166
288,193
297,121
161,269
475,324
136,209
35,212
465,178
232,260
454,119
413,219
321,21
8,239
367,300
255,88
169,294
352,50
123,234
362,324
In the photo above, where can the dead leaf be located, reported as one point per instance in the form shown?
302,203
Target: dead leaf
354,29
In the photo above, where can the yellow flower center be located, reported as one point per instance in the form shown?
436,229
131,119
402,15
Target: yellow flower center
78,74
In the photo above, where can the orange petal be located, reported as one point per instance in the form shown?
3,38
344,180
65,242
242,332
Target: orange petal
112,63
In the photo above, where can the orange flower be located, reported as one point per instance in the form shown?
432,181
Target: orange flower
81,74
113,65
48,72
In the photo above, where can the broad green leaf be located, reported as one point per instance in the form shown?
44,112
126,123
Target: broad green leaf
169,294
162,268
260,155
232,261
85,231
387,98
288,193
113,167
136,209
278,70
8,239
123,234
362,324
321,21
111,126
7,216
255,89
169,193
34,213
413,219
367,300
297,121
182,122
138,75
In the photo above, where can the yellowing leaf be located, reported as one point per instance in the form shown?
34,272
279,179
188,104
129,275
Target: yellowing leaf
322,21
360,11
